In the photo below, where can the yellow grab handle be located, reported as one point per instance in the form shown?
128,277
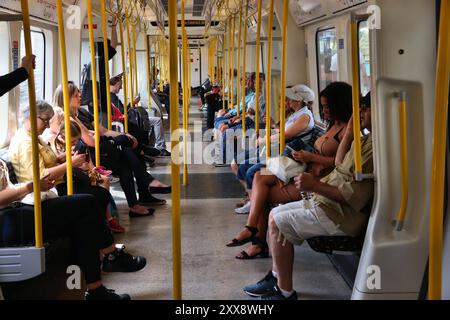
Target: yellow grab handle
356,100
269,81
175,144
124,75
65,86
404,162
439,155
94,84
33,122
106,59
283,77
258,59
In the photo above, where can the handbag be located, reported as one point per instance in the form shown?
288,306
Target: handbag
285,168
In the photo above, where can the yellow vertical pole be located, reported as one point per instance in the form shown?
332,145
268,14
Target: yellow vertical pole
136,81
223,84
94,84
269,81
125,75
174,123
240,76
106,57
258,59
439,154
33,122
65,81
244,67
233,55
185,94
229,64
356,98
283,77
147,61
160,61
130,62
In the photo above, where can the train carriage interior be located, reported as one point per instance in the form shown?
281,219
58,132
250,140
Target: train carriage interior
313,132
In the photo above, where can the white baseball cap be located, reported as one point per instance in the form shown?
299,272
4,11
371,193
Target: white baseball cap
300,92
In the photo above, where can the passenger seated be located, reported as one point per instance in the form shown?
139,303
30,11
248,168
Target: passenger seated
299,126
78,217
52,165
336,105
123,162
155,122
336,209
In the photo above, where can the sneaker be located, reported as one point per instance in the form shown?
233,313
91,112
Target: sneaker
102,293
113,179
263,287
121,261
150,200
245,209
243,202
278,296
115,226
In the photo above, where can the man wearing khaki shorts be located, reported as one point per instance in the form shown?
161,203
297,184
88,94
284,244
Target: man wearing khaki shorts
336,208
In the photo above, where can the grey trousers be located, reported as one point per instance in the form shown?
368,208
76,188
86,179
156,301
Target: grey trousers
160,141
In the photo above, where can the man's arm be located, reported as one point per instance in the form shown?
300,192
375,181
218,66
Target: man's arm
306,182
9,81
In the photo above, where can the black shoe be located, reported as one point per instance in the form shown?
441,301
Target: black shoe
152,152
160,190
278,296
151,201
121,261
149,213
164,153
263,287
102,293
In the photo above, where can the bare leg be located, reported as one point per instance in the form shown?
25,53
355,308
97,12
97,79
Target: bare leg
283,257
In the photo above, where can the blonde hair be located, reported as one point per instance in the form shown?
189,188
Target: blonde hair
58,116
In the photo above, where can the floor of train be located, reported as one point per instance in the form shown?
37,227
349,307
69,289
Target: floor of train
210,270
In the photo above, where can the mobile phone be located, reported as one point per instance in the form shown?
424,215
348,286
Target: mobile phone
290,149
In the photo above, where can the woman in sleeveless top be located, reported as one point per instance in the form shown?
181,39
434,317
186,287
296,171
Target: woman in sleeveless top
336,109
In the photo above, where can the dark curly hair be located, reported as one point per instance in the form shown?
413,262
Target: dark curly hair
340,102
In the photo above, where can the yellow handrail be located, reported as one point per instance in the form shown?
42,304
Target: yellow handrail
106,61
33,122
147,63
233,54
356,100
65,86
239,66
269,81
244,67
283,77
258,59
124,75
404,162
185,93
94,83
224,66
130,61
439,155
136,81
175,147
230,28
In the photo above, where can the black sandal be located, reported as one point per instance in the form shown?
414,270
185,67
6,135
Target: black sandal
237,243
262,255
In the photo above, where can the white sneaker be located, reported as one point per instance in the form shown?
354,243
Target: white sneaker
245,209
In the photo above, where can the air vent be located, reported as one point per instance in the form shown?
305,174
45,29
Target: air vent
197,8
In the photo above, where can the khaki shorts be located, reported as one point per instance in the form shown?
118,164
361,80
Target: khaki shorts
297,223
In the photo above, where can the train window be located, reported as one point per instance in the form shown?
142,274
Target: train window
38,44
4,68
327,57
364,57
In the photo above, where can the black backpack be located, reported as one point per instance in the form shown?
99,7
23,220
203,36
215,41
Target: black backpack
139,117
86,88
